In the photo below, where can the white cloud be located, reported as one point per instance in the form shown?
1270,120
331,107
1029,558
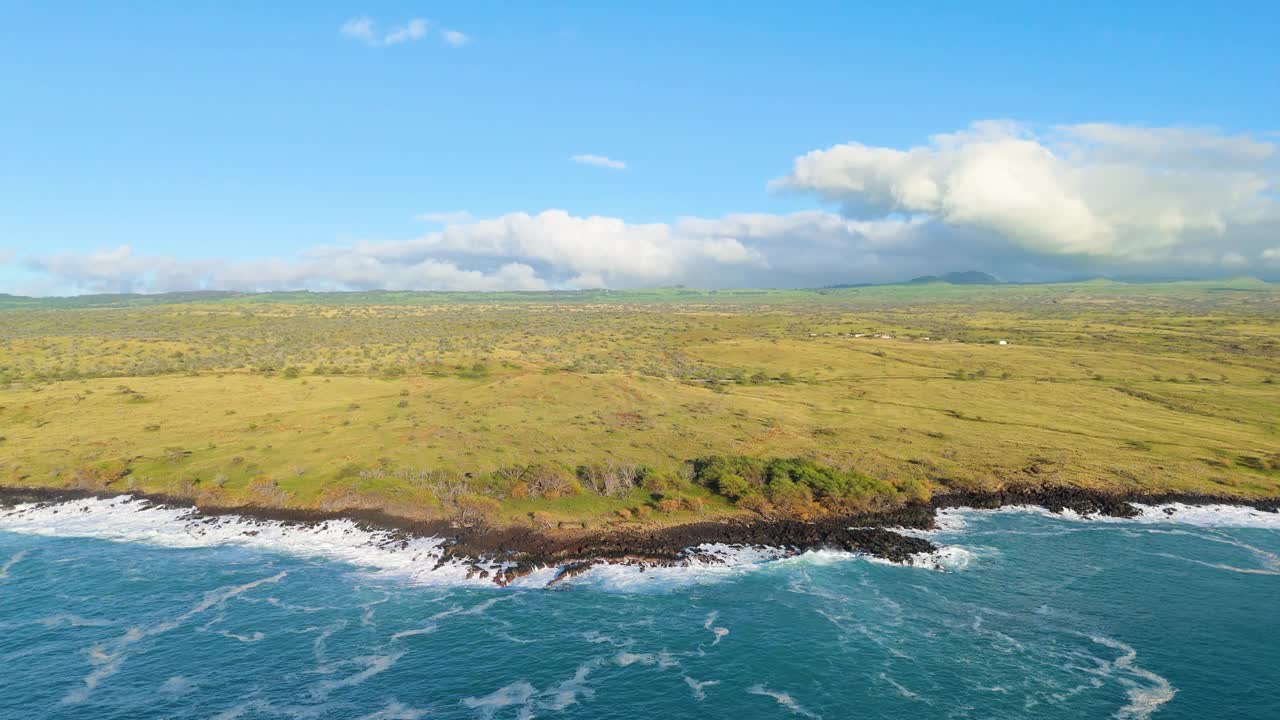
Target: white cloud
599,161
365,30
6,255
121,270
415,29
1125,194
359,28
1074,201
455,38
554,249
520,251
448,217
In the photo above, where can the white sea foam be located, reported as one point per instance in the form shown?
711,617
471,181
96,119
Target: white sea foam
13,560
1224,516
72,621
1269,560
176,685
904,692
108,658
253,637
709,624
783,699
427,629
661,659
127,519
1147,693
566,693
373,665
517,693
945,558
953,522
529,699
712,563
696,687
949,557
395,711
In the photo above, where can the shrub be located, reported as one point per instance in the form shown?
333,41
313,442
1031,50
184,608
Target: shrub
915,490
475,509
790,496
610,479
658,483
537,480
669,505
735,487
756,503
267,491
732,476
792,483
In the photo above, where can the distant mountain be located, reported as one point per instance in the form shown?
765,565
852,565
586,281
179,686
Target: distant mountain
971,277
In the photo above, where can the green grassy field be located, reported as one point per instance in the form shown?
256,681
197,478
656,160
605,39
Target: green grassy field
587,406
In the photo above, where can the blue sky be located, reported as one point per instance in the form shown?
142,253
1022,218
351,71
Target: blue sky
208,138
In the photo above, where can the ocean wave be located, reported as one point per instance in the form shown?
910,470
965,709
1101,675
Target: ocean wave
1224,516
383,552
128,519
955,521
945,558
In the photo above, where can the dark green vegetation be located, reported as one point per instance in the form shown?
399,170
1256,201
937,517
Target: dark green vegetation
639,406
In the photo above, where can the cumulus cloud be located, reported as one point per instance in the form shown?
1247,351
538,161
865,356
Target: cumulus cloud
1130,196
599,161
1067,202
365,30
455,38
122,270
536,251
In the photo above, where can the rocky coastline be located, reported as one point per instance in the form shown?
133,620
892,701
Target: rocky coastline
519,550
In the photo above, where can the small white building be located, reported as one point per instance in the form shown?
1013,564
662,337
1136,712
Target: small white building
1002,342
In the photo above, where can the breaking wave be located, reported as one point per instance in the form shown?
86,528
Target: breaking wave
952,521
383,552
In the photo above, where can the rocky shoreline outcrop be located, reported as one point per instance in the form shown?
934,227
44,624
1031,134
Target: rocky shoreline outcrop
520,550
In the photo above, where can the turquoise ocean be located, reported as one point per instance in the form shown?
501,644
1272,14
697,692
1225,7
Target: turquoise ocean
109,609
